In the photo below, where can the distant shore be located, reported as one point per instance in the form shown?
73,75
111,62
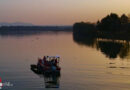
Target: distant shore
31,30
35,28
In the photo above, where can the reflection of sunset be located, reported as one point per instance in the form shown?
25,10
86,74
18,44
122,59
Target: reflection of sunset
59,12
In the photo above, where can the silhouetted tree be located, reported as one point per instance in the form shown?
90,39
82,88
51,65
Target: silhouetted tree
84,29
98,22
111,27
125,50
129,17
109,23
124,19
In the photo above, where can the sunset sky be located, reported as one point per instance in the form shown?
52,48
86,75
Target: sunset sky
59,12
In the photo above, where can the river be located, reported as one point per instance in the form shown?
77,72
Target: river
103,65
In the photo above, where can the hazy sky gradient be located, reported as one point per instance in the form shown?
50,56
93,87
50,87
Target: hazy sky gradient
59,12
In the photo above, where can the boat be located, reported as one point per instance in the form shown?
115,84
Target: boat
49,65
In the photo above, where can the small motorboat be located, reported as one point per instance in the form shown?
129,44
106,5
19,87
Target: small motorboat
49,65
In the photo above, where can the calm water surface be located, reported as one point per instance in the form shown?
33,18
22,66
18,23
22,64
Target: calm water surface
83,67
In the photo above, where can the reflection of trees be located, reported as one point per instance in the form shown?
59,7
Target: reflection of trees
88,41
125,50
111,48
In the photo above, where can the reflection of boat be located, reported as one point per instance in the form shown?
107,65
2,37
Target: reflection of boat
51,80
47,65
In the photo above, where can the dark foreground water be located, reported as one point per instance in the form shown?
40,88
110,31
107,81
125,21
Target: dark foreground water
103,65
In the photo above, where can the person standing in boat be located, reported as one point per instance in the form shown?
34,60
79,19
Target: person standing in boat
39,64
44,60
56,62
52,61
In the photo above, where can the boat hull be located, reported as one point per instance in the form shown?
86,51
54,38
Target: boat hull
38,70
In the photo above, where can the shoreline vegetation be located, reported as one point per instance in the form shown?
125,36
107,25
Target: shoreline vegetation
110,27
111,35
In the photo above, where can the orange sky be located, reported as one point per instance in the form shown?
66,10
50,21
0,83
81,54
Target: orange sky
59,12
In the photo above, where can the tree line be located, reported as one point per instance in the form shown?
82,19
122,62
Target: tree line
111,26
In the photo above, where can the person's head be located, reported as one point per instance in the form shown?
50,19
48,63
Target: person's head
39,60
44,57
55,58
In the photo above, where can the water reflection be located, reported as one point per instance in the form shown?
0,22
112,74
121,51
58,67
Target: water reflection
110,48
83,68
113,49
50,80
